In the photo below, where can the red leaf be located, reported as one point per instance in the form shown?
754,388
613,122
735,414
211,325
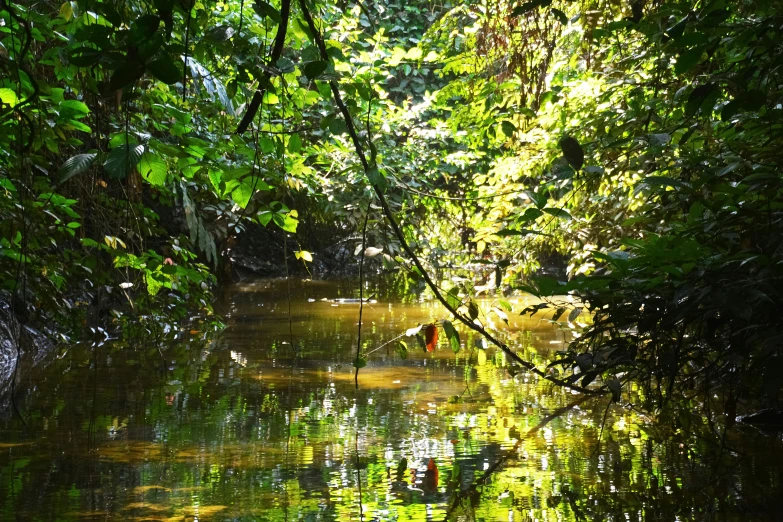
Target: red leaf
431,337
431,476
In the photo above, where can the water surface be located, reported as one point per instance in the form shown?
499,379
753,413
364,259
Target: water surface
265,423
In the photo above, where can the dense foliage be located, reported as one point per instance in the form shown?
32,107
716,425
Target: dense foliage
637,144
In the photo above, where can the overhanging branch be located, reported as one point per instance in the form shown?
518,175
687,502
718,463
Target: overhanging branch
277,52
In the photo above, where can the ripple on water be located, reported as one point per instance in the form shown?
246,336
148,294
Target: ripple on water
242,429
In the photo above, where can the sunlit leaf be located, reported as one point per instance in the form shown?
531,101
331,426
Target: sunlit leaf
452,335
304,255
153,169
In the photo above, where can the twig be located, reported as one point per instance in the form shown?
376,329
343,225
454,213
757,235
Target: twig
361,295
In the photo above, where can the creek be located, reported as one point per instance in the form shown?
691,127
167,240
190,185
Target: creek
264,422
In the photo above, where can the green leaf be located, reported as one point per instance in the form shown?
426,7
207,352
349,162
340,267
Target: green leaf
153,169
125,74
377,179
285,65
77,125
267,145
697,97
505,305
75,105
452,335
301,28
422,342
8,97
508,128
290,222
473,309
560,15
96,34
76,165
558,213
265,217
402,349
314,69
337,126
265,10
165,69
84,56
242,194
122,159
538,198
144,27
677,29
66,11
287,222
452,297
215,177
688,60
149,47
508,232
153,285
294,143
572,152
531,214
360,361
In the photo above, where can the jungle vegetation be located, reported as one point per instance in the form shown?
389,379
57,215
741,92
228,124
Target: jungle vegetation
464,145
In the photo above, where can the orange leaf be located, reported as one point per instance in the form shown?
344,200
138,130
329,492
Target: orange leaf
431,337
432,473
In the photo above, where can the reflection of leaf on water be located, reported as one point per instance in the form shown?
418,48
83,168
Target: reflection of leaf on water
203,511
401,468
143,489
145,506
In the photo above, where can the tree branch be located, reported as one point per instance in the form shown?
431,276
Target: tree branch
277,51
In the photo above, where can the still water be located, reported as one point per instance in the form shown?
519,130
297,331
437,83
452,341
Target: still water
264,423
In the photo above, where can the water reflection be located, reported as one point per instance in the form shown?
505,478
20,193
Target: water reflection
265,424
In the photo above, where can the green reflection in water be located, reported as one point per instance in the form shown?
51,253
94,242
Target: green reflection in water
242,429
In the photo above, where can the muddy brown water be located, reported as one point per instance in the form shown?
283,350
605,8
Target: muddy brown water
265,423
